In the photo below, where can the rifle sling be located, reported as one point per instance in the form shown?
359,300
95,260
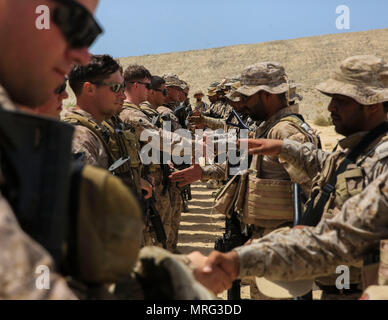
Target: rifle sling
313,214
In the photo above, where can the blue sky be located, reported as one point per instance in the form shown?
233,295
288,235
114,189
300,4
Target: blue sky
134,28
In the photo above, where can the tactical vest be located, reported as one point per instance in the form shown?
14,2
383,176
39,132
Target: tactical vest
268,200
123,143
119,144
257,201
154,117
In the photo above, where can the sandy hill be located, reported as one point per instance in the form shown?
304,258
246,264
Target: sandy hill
307,61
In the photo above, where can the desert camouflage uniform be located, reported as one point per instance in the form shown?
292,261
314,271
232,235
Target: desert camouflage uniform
127,146
167,113
140,117
296,254
353,79
320,164
96,152
20,256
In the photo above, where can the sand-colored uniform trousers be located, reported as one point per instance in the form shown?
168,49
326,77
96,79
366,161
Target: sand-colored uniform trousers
167,114
140,117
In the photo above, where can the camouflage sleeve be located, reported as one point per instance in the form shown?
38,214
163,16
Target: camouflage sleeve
214,124
138,120
377,163
305,157
20,257
157,138
286,130
85,141
292,254
215,171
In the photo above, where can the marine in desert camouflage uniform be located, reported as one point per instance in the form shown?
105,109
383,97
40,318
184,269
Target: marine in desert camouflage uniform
99,135
140,115
279,121
174,98
358,89
90,137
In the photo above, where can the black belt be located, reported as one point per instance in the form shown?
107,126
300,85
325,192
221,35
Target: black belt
353,288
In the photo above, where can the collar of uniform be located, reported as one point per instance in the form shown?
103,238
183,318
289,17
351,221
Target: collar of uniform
147,105
128,104
82,113
278,115
351,141
5,101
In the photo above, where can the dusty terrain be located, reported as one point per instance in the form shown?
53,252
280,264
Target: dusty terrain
307,61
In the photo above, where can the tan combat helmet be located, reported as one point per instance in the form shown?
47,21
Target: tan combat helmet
267,76
213,88
233,84
172,80
362,78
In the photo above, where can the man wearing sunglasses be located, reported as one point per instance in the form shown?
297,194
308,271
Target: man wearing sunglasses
32,67
157,94
98,88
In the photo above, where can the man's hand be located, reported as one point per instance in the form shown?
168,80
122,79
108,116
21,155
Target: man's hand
197,120
219,271
216,281
269,147
147,187
187,176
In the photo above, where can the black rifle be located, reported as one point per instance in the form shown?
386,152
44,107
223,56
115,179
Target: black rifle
155,220
181,113
232,238
241,124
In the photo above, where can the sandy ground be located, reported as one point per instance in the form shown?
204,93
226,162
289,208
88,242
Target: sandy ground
200,228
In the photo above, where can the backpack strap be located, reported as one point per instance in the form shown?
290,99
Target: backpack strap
97,131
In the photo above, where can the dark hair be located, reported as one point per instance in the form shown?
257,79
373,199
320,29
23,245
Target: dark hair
99,68
157,82
135,72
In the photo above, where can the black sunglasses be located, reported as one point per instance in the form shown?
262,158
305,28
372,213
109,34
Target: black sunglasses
62,88
147,85
76,23
164,91
114,86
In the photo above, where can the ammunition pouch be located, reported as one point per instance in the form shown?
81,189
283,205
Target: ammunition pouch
268,199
